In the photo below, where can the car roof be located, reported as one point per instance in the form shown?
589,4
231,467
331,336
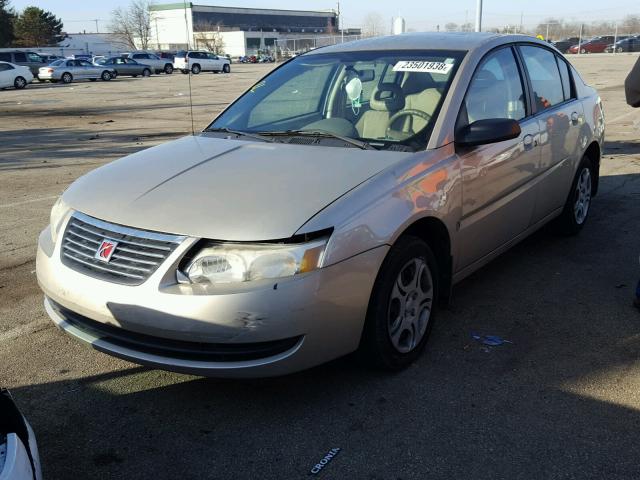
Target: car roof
421,41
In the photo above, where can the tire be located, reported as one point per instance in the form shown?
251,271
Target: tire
184,71
195,69
105,76
134,76
226,68
402,306
67,77
577,207
146,72
93,79
583,51
168,69
19,83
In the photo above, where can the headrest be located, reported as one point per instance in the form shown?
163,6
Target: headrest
417,82
387,97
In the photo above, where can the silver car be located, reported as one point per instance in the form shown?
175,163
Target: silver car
68,70
327,210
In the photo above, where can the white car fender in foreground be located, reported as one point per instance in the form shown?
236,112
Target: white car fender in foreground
18,461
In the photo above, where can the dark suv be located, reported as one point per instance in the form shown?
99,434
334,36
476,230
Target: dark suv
26,59
565,44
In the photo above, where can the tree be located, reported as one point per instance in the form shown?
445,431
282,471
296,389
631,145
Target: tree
373,25
35,27
209,37
7,16
133,24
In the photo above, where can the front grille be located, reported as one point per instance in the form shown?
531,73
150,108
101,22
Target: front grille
178,349
136,256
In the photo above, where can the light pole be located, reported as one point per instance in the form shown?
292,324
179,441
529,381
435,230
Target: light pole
479,16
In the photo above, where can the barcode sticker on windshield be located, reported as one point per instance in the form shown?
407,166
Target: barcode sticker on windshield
422,66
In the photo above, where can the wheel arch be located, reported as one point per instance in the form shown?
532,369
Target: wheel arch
435,233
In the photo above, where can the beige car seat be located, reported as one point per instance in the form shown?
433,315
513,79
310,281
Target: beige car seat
386,100
421,93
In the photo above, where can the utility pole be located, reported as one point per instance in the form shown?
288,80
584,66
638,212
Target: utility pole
97,20
546,37
615,39
521,22
479,16
580,40
340,26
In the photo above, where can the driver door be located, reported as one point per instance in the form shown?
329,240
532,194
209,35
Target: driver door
498,197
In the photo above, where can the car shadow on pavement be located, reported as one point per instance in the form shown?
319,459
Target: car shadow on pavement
559,400
619,147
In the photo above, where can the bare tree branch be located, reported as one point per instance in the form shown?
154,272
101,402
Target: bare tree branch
133,24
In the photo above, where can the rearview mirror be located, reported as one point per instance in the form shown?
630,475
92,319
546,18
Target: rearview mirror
483,132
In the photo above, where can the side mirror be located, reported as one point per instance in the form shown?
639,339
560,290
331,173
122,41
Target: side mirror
483,132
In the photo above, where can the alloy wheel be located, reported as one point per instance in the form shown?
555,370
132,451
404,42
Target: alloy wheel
410,305
583,196
20,83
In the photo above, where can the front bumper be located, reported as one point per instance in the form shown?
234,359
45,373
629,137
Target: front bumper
321,314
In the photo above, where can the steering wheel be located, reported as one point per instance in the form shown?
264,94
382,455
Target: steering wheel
406,113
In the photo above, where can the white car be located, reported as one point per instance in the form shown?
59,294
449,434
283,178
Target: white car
19,459
12,75
158,64
198,61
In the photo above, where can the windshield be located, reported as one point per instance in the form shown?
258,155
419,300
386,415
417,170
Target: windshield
383,98
56,63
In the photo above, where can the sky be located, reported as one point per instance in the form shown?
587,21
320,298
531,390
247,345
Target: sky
421,15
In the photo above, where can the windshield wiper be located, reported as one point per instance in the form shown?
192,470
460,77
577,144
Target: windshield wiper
321,133
240,133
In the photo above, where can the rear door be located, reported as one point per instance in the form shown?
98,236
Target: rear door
498,192
7,76
560,116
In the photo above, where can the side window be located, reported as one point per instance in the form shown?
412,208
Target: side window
19,57
35,58
70,63
566,79
301,95
496,89
5,56
5,66
544,75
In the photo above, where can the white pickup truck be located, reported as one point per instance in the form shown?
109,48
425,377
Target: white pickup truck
158,64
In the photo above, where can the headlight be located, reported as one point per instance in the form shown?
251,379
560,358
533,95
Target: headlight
235,263
58,213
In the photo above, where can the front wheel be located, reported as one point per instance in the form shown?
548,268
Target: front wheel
19,83
583,51
146,72
106,76
402,306
576,209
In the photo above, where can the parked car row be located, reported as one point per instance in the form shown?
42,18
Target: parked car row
600,44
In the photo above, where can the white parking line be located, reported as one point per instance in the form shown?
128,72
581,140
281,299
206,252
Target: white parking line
7,205
615,120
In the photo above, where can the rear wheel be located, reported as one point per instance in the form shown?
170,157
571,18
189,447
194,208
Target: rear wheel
583,51
106,76
402,306
576,209
226,68
67,77
146,72
195,69
168,69
20,83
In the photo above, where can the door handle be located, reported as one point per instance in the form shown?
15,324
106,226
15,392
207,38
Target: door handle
574,118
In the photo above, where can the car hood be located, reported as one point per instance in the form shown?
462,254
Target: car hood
224,189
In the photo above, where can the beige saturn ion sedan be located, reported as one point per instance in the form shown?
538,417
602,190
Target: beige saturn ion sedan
328,210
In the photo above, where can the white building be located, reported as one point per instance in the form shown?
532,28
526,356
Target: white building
243,31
